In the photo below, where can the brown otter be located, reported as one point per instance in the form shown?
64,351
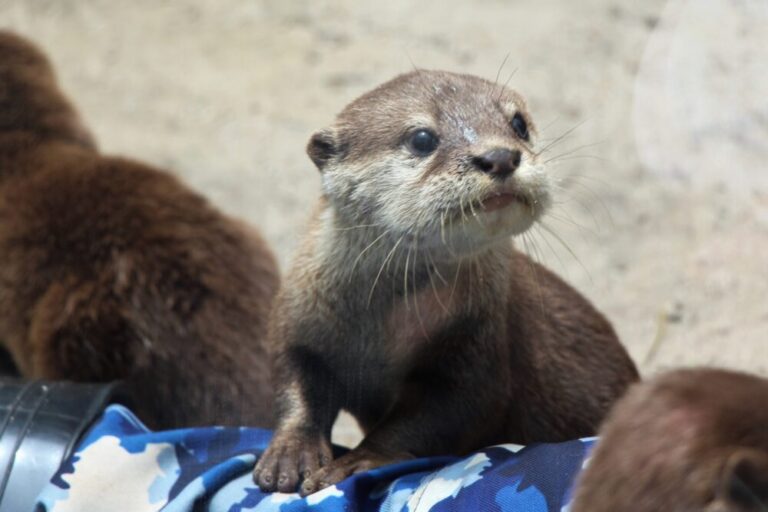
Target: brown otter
691,440
407,304
112,269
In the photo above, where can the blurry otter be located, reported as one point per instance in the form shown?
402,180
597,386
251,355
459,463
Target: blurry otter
407,303
112,269
691,440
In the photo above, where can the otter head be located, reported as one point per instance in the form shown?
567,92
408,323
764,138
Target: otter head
30,99
439,159
693,439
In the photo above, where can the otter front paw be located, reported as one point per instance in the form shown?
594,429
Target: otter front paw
358,460
290,458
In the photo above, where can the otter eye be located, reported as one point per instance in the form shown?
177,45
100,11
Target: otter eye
422,142
520,126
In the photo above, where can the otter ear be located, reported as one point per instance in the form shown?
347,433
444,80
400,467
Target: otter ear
323,147
744,481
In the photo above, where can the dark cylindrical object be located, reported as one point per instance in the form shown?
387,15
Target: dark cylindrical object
40,424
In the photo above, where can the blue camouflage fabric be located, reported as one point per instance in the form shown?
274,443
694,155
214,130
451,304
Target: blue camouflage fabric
122,466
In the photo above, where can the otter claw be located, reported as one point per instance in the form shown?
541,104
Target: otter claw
289,460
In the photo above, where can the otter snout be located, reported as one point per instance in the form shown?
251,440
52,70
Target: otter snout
498,162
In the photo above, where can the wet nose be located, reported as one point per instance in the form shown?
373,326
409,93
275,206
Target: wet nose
498,163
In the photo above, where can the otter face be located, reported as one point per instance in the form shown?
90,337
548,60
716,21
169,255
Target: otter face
439,159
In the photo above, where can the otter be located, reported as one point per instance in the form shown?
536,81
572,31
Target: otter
113,269
408,305
694,439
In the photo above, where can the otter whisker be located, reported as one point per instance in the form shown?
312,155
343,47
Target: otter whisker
461,209
437,270
558,139
405,279
584,204
594,196
501,91
434,288
415,291
548,125
356,227
559,159
476,265
470,283
588,177
571,151
596,228
532,269
354,264
509,78
442,227
567,247
498,73
385,262
537,255
396,262
455,282
570,221
475,215
453,237
549,245
418,72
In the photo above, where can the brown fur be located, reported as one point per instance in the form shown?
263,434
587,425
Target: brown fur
435,346
112,269
691,440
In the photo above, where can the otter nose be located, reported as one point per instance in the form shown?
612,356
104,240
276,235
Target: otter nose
498,162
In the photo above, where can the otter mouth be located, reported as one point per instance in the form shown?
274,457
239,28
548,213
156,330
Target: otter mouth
493,202
501,200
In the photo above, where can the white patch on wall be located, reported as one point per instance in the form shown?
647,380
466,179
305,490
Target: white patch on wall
700,104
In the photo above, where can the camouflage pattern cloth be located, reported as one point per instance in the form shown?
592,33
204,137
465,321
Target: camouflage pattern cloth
122,466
